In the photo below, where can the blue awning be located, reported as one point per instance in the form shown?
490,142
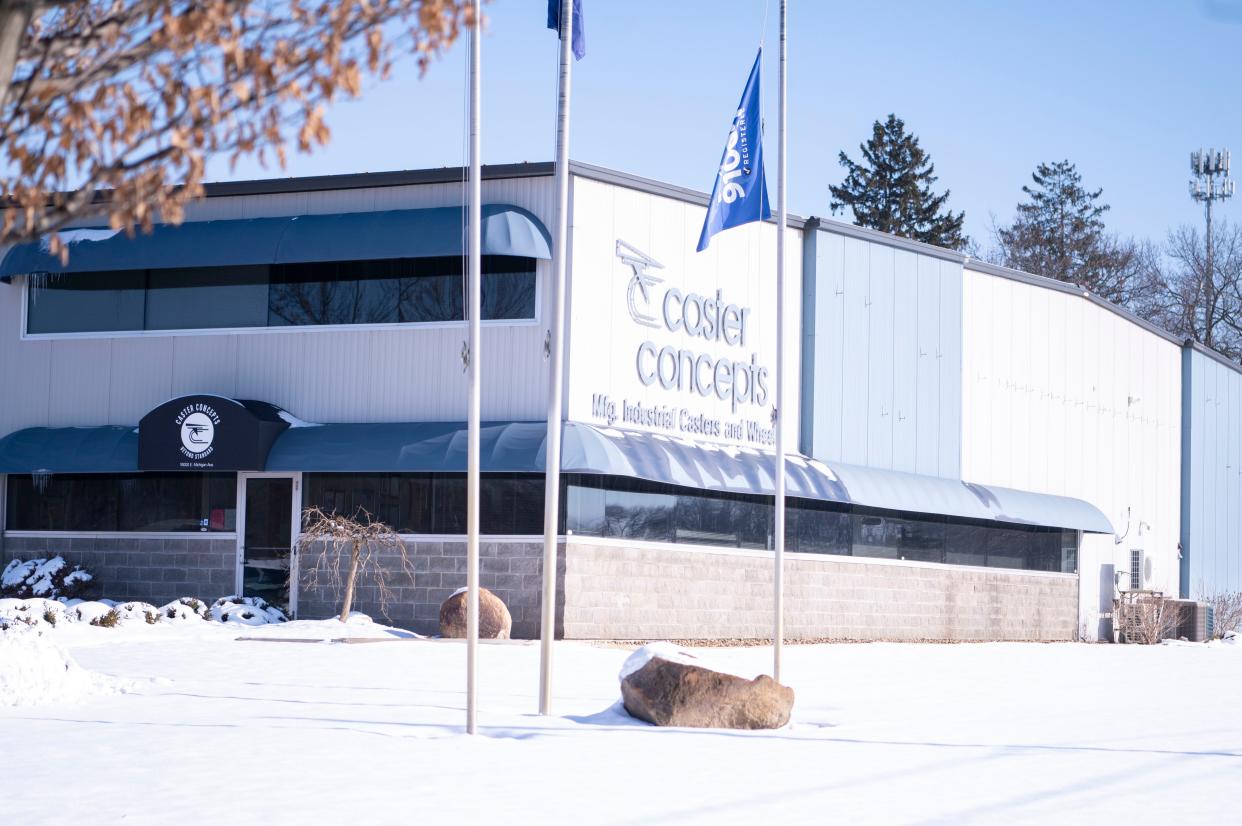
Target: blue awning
519,447
675,461
348,236
407,447
70,450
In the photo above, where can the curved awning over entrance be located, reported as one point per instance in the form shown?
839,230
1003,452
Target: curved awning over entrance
408,447
519,447
347,236
42,450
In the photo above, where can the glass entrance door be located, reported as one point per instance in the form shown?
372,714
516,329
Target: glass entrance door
265,548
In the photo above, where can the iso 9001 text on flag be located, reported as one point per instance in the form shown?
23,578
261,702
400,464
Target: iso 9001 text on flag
741,192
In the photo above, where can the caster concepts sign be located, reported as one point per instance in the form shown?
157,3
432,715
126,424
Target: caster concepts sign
681,358
203,433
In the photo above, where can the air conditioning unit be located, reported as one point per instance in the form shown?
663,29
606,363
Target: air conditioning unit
1195,620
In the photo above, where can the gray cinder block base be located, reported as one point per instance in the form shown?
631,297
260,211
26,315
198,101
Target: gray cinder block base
154,570
609,590
511,570
617,592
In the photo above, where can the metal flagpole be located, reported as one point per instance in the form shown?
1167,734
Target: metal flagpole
778,580
474,233
556,351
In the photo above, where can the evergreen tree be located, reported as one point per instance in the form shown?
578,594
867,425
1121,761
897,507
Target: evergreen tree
1059,233
890,190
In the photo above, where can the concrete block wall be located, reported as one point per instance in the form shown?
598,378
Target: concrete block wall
150,569
511,570
614,591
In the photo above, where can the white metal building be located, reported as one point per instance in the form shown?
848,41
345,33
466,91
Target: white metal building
981,451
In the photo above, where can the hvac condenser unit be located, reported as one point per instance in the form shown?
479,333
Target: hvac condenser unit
1194,619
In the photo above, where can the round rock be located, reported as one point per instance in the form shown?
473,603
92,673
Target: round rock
495,623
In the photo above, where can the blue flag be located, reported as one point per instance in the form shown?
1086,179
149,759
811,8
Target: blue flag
579,28
741,191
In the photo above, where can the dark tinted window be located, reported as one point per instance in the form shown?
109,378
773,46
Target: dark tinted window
875,536
810,528
382,291
144,502
425,503
634,509
201,298
87,302
966,545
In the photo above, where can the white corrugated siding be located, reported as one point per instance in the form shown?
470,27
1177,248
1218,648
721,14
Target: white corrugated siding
1214,475
883,377
331,375
1062,396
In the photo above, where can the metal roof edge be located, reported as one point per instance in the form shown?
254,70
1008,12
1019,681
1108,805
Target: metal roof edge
368,180
1070,289
1024,277
654,187
453,174
1212,354
885,238
1135,319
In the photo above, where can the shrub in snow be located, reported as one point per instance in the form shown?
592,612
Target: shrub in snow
89,612
44,578
246,611
185,608
30,612
108,620
137,612
104,613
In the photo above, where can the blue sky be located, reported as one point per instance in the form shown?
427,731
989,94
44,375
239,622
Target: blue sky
1124,88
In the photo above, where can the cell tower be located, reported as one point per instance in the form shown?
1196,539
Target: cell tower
1211,182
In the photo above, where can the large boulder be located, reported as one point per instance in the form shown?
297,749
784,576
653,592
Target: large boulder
494,620
661,686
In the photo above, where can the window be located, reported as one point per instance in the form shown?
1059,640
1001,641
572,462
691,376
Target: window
202,298
133,502
634,509
432,503
87,303
382,291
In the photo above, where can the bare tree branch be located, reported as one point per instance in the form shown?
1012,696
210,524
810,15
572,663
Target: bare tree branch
111,107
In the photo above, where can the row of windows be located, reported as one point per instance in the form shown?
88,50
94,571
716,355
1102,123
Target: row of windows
633,509
144,502
421,503
512,504
385,291
432,503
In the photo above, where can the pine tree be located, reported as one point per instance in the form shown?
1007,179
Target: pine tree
1059,233
891,189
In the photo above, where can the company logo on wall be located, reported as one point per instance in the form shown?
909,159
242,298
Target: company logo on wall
697,328
198,430
640,284
208,433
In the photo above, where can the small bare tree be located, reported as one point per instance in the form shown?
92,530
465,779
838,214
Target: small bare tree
364,547
1226,610
1146,617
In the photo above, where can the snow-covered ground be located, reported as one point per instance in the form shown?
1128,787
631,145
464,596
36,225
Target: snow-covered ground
205,728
